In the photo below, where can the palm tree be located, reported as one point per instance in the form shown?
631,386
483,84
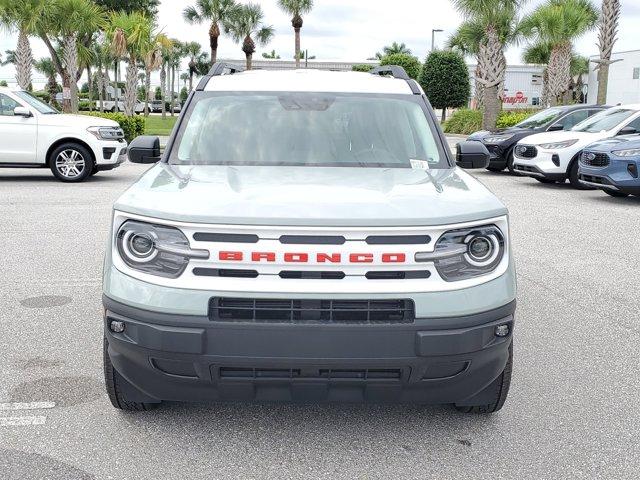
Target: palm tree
25,17
193,51
499,23
392,49
103,58
558,23
248,22
607,38
166,53
152,60
296,8
175,60
129,34
539,54
218,13
466,41
45,66
71,19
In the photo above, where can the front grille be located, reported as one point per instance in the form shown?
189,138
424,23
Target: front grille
364,374
526,151
592,159
525,168
225,309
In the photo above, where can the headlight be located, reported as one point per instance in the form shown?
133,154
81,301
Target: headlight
632,152
106,133
467,253
155,249
557,145
497,138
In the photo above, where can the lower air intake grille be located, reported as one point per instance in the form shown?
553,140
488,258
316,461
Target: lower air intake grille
224,309
377,374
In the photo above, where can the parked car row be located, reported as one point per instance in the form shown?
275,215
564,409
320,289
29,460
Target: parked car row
591,146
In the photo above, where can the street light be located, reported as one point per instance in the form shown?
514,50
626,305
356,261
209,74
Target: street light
433,37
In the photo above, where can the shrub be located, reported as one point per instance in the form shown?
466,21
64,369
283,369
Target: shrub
411,64
465,121
510,118
42,95
445,80
84,105
362,68
132,126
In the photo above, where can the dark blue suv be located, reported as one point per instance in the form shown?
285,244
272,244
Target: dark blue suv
612,165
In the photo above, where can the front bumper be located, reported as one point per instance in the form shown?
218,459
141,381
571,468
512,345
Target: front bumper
616,177
110,154
191,358
546,164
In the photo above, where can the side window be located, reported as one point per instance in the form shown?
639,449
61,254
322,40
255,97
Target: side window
634,124
572,119
7,105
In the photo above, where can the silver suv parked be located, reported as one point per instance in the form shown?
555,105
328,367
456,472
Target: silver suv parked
307,236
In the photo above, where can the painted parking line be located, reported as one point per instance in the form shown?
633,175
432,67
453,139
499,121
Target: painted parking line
26,406
22,421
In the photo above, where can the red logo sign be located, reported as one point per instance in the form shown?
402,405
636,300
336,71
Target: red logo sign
292,257
517,98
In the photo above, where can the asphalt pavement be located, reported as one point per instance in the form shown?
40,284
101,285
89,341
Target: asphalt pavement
571,413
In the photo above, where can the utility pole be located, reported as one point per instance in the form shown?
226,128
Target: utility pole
433,37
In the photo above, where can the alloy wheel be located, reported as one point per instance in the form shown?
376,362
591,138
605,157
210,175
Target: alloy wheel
70,163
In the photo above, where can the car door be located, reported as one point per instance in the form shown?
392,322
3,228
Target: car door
18,134
630,128
570,120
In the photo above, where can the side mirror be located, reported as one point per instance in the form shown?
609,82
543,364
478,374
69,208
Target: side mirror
22,112
627,131
144,149
472,155
556,127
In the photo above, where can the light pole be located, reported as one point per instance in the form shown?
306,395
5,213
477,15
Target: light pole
433,37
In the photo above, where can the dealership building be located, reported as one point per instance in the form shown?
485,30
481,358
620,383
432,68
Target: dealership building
523,86
624,79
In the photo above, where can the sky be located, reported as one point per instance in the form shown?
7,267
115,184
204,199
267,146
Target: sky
349,30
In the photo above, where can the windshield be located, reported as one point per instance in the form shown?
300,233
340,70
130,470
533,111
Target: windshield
541,118
36,103
307,129
604,121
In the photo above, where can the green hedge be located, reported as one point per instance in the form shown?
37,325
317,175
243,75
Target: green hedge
132,126
466,121
411,64
362,68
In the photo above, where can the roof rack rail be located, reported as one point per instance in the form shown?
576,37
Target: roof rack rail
219,69
395,71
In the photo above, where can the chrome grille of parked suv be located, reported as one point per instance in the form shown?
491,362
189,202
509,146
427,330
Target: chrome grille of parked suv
225,309
595,159
526,151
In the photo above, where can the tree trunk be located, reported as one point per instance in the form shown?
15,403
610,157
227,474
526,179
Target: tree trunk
130,91
444,115
115,84
70,52
24,61
100,86
559,72
147,88
249,61
163,89
493,65
173,90
214,35
249,48
297,34
607,38
90,82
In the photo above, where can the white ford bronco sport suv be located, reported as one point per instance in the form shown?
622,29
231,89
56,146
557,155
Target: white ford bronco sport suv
35,135
307,236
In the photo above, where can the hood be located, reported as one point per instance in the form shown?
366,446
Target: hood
616,143
309,196
66,120
553,137
485,133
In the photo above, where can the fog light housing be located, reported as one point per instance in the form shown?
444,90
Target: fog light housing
632,168
555,158
116,326
502,330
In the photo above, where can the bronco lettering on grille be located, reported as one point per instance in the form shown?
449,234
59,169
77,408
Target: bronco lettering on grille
292,257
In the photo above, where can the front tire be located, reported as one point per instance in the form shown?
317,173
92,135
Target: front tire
113,383
510,166
573,177
71,162
501,390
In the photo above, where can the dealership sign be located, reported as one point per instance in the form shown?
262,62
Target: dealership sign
517,98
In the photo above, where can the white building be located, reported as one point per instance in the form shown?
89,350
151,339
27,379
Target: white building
522,87
624,79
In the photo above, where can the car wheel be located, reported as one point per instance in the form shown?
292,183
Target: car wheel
615,193
71,162
573,177
113,383
510,166
500,389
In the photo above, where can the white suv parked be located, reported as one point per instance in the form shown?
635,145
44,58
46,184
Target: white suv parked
35,135
553,156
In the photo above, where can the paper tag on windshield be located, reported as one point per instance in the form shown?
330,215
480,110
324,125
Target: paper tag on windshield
419,164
